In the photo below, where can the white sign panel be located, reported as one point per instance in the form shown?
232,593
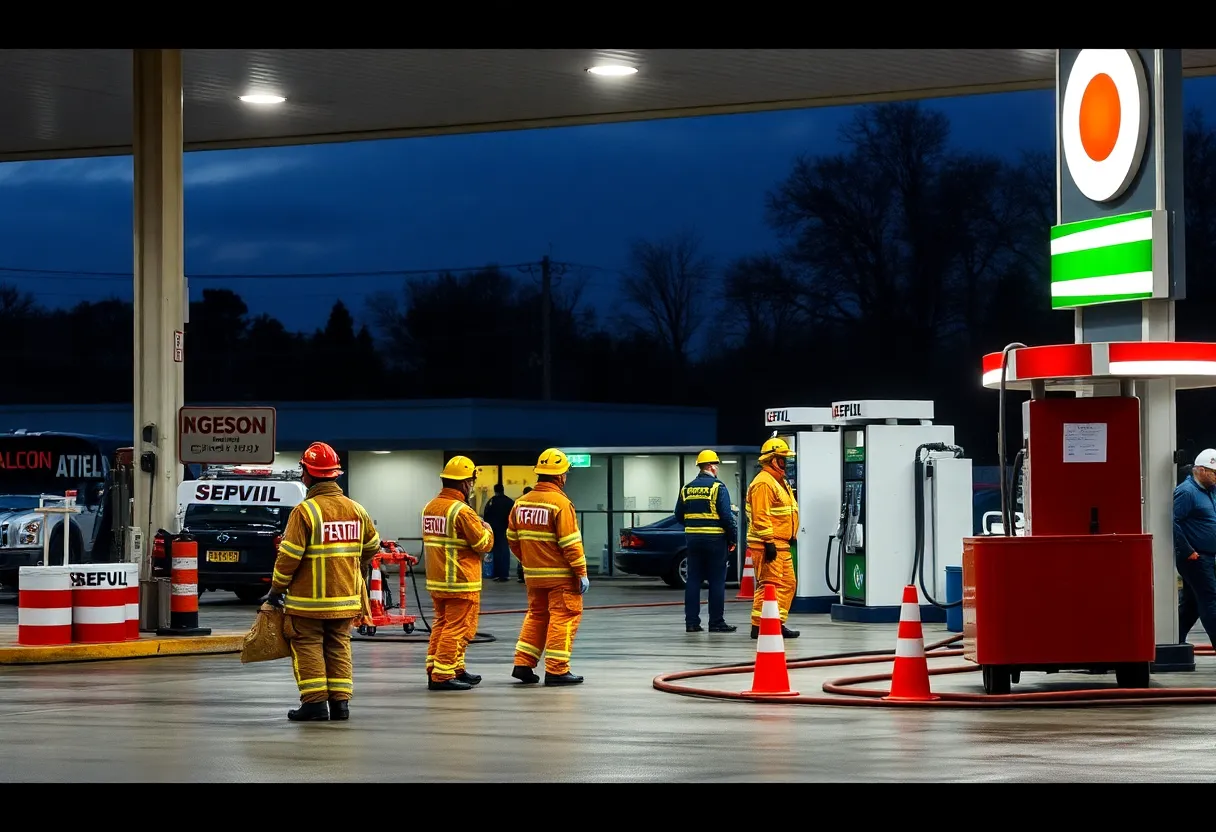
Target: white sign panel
1085,441
226,435
798,416
880,409
178,346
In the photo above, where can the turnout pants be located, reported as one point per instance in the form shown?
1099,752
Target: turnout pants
320,657
452,628
549,627
706,561
779,573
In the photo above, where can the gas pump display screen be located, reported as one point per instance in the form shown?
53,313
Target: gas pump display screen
854,446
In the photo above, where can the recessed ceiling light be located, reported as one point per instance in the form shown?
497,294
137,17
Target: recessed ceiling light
263,99
382,452
613,70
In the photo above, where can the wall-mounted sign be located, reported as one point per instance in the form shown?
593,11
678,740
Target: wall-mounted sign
226,435
579,460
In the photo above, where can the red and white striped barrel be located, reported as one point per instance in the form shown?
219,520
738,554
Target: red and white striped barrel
132,600
44,605
99,602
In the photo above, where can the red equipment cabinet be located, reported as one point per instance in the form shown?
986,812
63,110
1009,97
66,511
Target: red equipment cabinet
1059,602
1075,593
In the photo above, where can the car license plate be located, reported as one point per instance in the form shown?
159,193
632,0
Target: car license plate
223,557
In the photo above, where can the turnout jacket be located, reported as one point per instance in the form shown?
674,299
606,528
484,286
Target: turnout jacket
542,532
453,539
772,510
320,564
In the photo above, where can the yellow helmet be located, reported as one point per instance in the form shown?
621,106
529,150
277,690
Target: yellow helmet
775,446
552,461
707,457
459,468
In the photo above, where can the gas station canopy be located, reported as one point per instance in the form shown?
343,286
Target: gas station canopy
63,103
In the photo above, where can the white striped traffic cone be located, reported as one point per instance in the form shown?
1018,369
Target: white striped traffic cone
770,677
375,594
747,583
910,678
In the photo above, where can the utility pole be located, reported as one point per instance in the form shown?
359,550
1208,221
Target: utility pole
546,295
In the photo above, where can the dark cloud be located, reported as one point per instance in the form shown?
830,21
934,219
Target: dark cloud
452,201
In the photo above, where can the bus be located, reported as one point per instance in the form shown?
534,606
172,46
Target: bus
38,469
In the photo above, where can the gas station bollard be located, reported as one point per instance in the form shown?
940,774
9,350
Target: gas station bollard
182,552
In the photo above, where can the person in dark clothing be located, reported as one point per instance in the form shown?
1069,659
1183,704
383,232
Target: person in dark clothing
709,532
1195,546
498,509
519,566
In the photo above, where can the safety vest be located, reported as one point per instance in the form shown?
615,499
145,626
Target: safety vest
700,503
453,540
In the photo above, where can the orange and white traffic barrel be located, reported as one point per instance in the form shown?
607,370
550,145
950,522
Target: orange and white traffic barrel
183,589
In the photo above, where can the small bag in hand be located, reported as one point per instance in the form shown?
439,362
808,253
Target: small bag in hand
265,640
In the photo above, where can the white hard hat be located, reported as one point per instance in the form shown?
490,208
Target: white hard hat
1206,459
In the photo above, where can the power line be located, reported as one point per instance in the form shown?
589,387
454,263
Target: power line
66,274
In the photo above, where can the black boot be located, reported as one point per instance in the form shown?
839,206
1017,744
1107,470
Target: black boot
339,709
469,678
693,629
310,712
524,674
722,627
566,678
450,684
755,631
786,632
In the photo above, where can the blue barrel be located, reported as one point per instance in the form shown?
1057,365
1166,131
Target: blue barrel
954,594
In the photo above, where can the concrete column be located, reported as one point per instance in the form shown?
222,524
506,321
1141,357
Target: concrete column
160,291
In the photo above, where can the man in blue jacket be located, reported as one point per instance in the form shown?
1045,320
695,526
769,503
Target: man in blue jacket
709,532
1195,546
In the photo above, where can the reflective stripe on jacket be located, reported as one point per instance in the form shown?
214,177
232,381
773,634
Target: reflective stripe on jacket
328,538
704,507
542,532
771,509
453,539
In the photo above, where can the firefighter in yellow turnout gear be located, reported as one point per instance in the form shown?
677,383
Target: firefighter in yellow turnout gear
454,539
542,531
773,522
318,583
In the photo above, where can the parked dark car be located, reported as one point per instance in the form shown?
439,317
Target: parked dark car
658,551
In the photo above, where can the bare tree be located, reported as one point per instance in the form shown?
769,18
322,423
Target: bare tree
764,301
667,281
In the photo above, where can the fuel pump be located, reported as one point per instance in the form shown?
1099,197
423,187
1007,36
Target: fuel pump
906,508
815,477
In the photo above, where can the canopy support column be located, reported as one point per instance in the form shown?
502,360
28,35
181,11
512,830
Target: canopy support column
160,287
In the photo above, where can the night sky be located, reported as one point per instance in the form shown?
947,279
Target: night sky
579,194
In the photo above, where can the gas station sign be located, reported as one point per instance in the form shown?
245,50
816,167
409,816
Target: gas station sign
226,435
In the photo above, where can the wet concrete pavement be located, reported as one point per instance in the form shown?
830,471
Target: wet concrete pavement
212,719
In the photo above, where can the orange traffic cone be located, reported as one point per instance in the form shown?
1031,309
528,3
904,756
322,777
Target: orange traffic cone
910,679
771,677
747,583
375,594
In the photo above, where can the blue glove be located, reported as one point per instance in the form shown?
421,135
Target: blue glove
583,585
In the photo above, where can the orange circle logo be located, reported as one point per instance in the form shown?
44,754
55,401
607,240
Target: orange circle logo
1104,121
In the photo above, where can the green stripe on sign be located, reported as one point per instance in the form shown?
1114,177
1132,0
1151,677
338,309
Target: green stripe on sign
1122,258
1058,231
1090,300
